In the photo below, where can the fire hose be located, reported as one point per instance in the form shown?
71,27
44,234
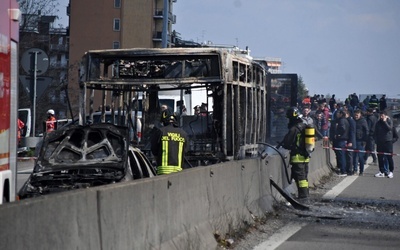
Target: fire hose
288,197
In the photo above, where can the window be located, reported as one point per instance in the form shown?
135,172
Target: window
115,45
116,24
117,3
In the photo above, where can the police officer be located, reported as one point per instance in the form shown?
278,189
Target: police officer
168,145
299,157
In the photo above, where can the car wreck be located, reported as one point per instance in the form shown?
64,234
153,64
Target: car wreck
85,156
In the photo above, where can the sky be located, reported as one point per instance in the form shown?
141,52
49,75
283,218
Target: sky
337,46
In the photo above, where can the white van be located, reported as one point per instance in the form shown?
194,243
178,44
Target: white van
25,116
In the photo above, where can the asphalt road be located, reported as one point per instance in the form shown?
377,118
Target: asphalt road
354,212
24,168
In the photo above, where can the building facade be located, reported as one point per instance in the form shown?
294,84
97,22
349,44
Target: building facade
38,33
114,24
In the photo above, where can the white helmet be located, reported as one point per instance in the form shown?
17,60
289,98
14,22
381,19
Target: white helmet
50,111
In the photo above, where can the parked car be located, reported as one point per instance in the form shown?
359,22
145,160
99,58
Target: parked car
85,156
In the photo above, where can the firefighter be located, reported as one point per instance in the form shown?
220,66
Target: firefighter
21,126
299,157
373,102
168,145
51,121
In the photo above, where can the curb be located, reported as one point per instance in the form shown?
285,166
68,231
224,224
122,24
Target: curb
26,158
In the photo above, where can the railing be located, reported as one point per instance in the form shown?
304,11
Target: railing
60,47
58,65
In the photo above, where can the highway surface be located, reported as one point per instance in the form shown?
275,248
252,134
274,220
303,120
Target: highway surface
353,212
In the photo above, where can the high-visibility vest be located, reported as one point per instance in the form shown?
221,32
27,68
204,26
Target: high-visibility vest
50,124
170,149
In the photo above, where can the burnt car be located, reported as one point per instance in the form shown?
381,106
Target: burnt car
85,156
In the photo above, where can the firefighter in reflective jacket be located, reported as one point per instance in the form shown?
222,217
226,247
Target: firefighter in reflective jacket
299,157
168,145
51,121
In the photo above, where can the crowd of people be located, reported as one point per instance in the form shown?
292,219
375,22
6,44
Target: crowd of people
355,127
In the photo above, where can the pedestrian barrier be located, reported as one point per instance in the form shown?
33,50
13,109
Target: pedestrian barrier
361,151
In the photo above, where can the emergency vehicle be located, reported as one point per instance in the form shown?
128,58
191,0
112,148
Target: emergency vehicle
9,29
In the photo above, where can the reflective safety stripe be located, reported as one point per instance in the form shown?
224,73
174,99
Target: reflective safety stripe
303,183
299,159
164,159
168,169
180,154
165,168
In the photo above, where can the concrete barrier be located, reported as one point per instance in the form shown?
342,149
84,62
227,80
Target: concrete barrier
177,211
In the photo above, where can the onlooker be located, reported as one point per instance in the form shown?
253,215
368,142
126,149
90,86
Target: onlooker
325,116
51,121
168,145
332,103
370,144
395,135
306,101
351,142
339,135
306,116
354,101
335,108
366,102
384,144
362,134
382,103
395,138
349,108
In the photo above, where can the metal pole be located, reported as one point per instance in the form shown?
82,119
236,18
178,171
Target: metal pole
35,53
165,24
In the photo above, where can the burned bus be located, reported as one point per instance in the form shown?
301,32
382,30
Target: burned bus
219,96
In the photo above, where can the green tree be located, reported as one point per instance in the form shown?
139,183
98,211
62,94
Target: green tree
302,90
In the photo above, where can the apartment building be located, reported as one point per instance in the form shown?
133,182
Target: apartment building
114,24
38,33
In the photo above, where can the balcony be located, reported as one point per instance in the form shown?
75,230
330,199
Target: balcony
157,36
59,65
59,47
172,18
159,13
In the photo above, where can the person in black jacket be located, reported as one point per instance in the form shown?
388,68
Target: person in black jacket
373,102
382,103
384,144
370,144
351,143
395,135
361,135
168,145
339,136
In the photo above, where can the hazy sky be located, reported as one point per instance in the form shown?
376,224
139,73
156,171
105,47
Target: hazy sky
336,46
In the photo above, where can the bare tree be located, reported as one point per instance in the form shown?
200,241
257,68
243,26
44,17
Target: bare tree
32,11
38,7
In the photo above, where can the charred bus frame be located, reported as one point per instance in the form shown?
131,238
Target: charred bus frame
234,83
